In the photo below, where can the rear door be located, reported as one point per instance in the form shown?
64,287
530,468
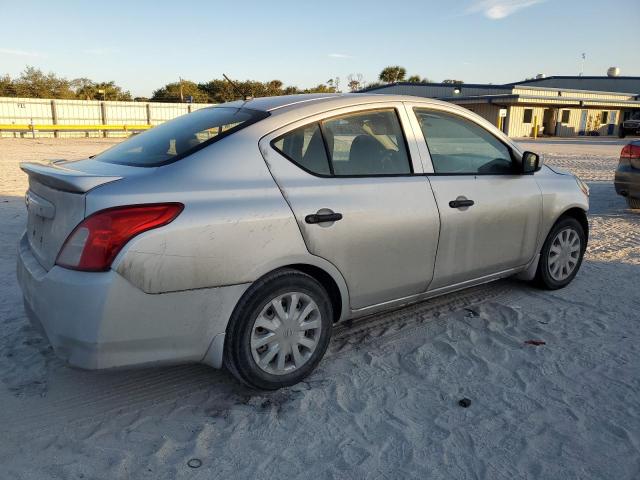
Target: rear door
353,180
490,213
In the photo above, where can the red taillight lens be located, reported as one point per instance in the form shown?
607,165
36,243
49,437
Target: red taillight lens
96,241
630,151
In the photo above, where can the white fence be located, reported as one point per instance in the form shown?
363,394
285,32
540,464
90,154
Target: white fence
17,113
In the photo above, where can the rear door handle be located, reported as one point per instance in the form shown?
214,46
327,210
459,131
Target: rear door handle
323,217
461,203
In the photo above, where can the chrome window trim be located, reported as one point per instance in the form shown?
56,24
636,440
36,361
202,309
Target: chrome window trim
467,115
413,151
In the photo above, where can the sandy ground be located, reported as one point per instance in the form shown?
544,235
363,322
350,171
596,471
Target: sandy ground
383,404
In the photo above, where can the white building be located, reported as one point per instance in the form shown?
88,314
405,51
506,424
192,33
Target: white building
552,105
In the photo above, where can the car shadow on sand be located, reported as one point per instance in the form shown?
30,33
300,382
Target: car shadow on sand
605,202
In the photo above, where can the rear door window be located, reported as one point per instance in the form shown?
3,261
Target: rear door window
178,138
366,144
369,143
305,147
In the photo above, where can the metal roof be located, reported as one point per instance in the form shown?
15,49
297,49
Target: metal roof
592,83
574,77
509,87
569,101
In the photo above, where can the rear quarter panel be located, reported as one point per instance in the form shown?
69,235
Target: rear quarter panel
235,225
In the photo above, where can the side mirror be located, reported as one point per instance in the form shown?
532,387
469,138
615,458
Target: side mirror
531,162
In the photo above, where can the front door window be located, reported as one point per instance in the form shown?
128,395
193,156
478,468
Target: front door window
459,146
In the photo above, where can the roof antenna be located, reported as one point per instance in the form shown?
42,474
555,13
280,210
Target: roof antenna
237,89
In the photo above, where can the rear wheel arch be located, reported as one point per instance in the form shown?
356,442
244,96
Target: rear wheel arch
327,281
324,272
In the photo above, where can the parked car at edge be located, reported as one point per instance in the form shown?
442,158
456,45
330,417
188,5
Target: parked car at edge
631,126
238,235
627,178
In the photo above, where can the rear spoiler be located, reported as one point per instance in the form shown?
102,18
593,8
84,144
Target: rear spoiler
64,179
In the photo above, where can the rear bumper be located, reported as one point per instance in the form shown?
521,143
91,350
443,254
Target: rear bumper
627,182
100,320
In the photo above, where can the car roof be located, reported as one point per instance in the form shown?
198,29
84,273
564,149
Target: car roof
287,109
332,100
268,104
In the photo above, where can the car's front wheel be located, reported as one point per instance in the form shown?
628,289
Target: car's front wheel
279,331
561,254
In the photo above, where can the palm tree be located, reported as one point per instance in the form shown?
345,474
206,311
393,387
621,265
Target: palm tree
392,74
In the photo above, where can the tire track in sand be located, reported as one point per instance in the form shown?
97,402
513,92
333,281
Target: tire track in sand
127,392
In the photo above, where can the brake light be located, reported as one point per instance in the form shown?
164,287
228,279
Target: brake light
630,151
96,241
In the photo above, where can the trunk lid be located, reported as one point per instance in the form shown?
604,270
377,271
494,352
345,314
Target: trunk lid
56,201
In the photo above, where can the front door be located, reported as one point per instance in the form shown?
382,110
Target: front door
353,182
490,214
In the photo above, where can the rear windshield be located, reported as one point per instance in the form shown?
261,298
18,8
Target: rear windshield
180,137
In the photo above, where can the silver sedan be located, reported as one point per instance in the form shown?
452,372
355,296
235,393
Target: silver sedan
237,235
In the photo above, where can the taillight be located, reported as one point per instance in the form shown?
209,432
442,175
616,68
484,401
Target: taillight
96,241
630,151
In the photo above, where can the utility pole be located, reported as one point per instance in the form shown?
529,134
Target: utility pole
181,95
584,56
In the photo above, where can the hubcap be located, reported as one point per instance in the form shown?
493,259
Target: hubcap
285,333
564,254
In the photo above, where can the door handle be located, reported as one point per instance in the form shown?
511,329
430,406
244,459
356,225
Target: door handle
323,217
460,203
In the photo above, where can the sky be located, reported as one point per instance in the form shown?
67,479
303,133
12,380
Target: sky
142,45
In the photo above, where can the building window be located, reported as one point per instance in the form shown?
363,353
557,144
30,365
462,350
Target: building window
565,116
605,118
528,115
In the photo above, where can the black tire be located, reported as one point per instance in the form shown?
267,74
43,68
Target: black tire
238,356
634,203
544,278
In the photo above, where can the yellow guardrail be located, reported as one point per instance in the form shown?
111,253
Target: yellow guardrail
71,128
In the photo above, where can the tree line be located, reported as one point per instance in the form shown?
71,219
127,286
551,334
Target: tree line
34,83
397,73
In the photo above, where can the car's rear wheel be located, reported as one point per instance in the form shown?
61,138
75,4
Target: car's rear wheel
633,202
279,331
561,254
